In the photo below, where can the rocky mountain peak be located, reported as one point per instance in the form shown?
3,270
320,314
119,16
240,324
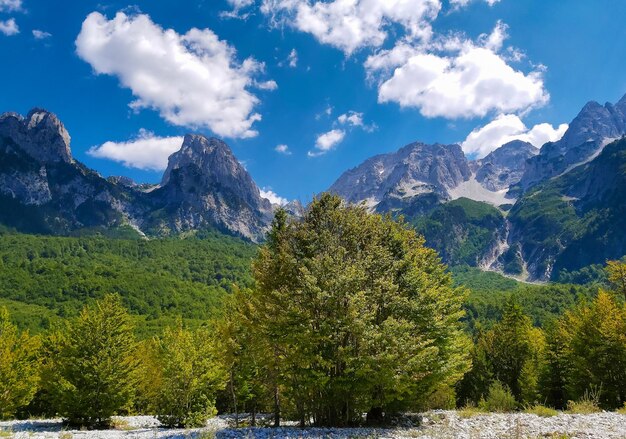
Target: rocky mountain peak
413,170
40,134
504,167
593,127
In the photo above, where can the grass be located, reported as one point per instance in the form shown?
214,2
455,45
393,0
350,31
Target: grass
589,403
469,410
622,411
120,424
541,411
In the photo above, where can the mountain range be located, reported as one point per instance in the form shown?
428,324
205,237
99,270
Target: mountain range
527,212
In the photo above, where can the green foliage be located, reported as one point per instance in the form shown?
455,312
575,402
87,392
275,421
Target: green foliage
358,314
511,353
90,370
190,377
616,273
18,367
499,399
594,350
43,278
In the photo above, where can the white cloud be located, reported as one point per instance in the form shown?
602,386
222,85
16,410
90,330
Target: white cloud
455,78
10,5
327,141
293,58
41,35
355,119
504,129
273,197
9,27
146,151
462,3
283,149
193,80
350,25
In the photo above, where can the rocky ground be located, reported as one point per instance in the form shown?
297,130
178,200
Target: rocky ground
435,425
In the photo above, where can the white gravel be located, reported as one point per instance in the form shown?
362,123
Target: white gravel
436,425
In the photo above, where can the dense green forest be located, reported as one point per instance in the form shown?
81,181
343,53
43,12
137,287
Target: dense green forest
43,278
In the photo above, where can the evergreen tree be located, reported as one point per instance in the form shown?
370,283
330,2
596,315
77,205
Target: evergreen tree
18,367
358,314
190,377
91,373
596,350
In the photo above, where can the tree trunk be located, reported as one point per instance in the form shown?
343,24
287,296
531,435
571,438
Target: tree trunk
234,396
276,408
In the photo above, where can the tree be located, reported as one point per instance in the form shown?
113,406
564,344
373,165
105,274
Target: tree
19,374
244,355
358,314
190,377
616,271
91,373
595,337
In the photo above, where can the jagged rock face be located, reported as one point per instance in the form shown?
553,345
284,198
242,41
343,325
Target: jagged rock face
204,185
505,166
42,189
41,135
394,179
593,128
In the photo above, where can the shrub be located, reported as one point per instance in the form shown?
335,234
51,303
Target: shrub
589,403
541,410
499,399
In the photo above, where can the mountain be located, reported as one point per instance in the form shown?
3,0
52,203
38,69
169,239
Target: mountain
576,219
44,190
526,212
415,177
505,166
204,185
588,133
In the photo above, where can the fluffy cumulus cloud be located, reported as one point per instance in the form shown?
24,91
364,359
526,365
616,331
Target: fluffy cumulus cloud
146,151
350,25
282,149
455,78
192,80
10,5
273,197
327,141
508,127
9,27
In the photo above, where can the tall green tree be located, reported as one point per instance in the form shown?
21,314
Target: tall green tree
190,377
595,337
358,314
91,371
19,374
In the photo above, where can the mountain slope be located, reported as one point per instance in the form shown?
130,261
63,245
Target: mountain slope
576,219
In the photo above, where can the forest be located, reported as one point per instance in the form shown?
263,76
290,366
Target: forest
342,318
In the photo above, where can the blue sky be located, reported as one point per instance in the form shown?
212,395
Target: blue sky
266,73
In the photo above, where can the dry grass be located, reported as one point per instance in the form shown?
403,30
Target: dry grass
541,410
